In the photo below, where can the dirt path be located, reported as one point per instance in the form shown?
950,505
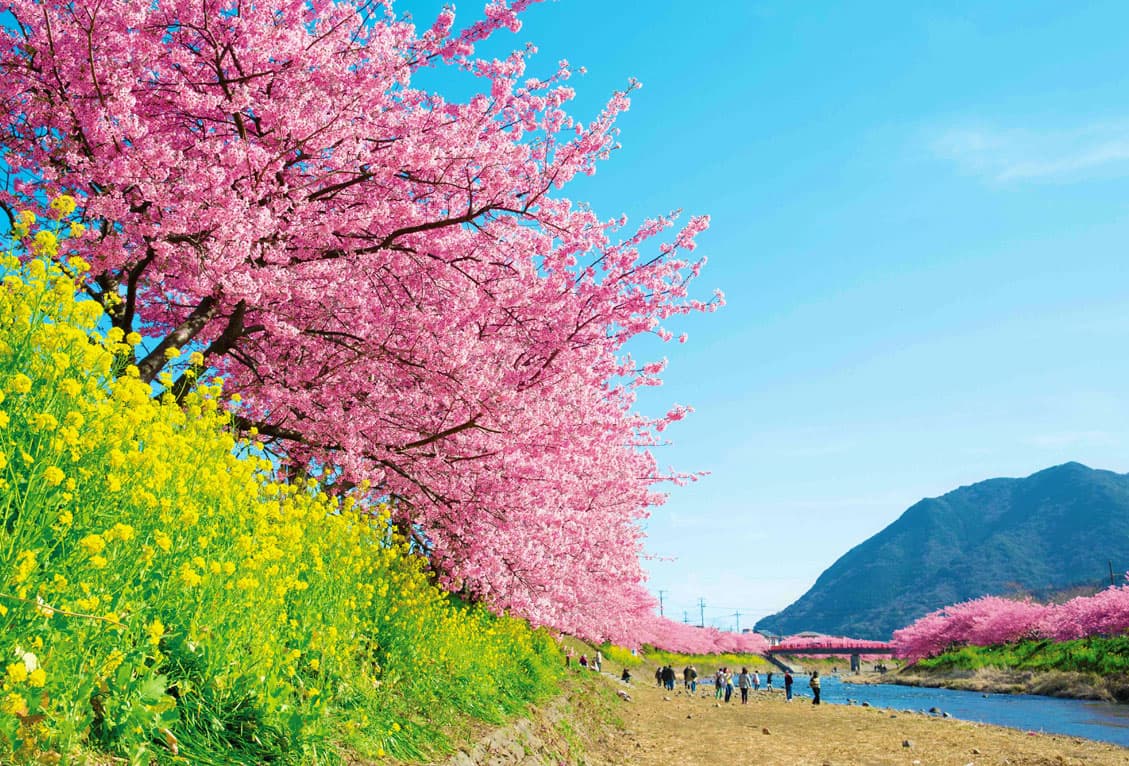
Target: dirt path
674,729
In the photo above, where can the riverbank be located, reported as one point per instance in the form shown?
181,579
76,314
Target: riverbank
991,680
1094,668
657,728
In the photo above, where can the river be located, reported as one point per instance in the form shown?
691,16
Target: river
1078,718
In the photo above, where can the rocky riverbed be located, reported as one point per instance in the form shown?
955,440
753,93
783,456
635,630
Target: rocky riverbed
658,728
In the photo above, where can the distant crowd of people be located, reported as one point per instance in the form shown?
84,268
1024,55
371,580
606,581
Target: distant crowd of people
723,680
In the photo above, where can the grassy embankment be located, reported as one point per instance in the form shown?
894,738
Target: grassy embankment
643,664
166,596
1087,668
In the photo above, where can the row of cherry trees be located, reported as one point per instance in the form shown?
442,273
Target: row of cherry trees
690,639
390,280
993,620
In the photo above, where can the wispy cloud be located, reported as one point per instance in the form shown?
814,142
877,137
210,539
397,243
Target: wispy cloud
1073,439
1017,155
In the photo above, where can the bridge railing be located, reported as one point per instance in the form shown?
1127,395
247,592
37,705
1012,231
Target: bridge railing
831,648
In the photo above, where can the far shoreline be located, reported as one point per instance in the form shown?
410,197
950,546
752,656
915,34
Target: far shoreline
991,680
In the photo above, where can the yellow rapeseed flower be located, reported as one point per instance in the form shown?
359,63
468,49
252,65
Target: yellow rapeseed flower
24,221
45,243
20,383
63,205
113,661
123,532
14,704
189,576
17,672
44,421
155,630
53,476
25,565
88,604
93,544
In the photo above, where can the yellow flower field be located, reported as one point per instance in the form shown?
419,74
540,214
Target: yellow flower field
165,594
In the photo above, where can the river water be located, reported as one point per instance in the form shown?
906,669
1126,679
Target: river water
1078,718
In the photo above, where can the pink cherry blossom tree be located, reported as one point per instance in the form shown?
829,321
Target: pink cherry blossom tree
993,620
390,280
673,636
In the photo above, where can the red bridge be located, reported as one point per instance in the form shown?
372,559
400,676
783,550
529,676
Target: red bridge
832,646
854,648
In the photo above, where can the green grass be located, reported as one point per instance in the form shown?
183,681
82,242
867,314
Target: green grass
1105,656
709,661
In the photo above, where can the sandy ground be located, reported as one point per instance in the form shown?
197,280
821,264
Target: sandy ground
672,728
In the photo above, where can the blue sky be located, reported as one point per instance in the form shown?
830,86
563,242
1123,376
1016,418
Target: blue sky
919,223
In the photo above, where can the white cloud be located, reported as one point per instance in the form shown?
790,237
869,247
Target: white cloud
1017,155
1073,439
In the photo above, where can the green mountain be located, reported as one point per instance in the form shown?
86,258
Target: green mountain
1052,531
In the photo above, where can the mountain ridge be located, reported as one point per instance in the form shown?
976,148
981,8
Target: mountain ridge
1053,530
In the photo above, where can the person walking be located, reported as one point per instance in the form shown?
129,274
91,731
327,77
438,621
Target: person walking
814,684
693,672
768,681
718,684
728,684
743,683
659,675
756,681
668,677
787,686
598,663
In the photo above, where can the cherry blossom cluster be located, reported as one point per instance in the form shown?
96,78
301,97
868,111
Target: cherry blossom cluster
672,636
993,620
390,281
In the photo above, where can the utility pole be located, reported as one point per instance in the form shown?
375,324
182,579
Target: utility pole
1111,572
737,614
685,617
661,594
702,607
